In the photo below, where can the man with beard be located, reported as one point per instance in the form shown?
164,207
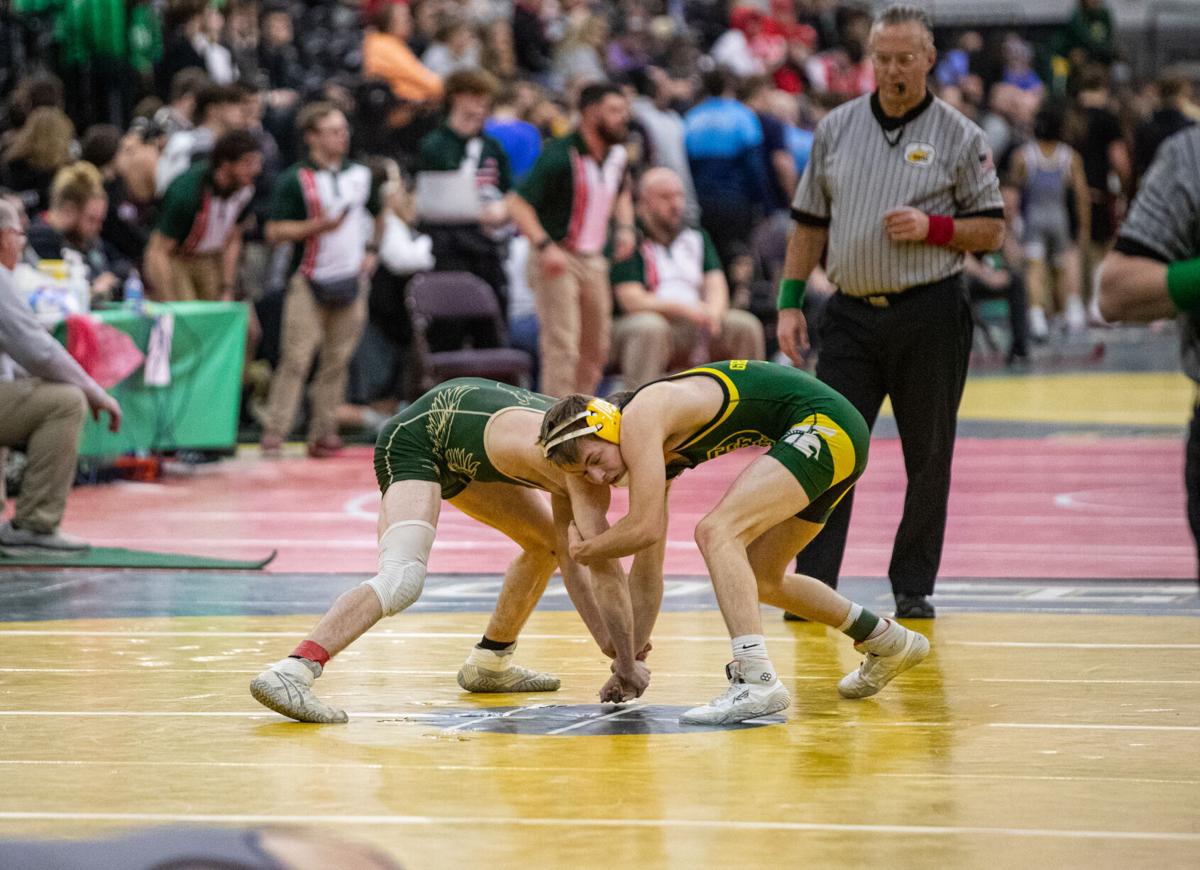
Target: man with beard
564,207
673,293
218,110
194,250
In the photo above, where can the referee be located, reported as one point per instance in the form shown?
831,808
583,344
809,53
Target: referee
1153,272
900,185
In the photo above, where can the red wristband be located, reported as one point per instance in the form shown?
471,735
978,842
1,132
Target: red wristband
941,230
313,651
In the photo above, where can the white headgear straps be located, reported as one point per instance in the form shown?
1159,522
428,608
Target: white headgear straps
555,437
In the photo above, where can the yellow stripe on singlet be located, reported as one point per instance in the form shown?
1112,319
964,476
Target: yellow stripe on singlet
731,400
841,448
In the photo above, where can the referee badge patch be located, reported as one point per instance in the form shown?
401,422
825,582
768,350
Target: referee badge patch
919,154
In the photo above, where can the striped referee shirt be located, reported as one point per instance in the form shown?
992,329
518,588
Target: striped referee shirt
1164,222
864,164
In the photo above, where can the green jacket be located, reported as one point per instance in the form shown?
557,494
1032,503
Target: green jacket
443,150
550,185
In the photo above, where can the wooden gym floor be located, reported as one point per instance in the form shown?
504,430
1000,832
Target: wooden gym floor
1056,724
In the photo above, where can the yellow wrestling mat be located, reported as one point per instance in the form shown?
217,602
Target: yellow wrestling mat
1097,398
1023,741
1129,398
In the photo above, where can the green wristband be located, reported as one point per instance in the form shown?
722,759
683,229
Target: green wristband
1183,284
791,293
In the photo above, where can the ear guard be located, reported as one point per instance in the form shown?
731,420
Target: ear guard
602,419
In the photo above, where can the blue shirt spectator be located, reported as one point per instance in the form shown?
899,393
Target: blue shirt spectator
800,143
724,141
954,66
1025,80
521,142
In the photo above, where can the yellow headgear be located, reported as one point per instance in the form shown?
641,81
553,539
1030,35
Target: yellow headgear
602,419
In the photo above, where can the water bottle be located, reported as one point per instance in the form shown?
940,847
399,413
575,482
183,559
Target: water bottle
77,280
135,291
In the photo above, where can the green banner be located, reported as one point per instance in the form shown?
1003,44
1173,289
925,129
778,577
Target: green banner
199,409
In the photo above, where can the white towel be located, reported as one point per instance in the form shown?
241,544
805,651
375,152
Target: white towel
157,372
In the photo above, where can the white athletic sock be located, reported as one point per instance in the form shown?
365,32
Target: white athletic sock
750,652
493,660
749,646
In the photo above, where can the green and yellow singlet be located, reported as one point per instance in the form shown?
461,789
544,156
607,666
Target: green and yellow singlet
808,426
440,436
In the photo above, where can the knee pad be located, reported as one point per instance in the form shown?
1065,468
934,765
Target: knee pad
403,551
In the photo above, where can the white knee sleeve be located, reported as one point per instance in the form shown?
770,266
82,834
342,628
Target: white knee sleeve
403,551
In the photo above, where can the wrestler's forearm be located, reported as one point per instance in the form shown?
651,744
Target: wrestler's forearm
578,583
646,591
616,609
624,538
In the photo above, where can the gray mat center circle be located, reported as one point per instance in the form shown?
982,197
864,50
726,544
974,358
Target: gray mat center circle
576,720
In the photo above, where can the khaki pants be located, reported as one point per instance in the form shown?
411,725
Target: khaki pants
197,277
46,419
574,322
309,328
648,345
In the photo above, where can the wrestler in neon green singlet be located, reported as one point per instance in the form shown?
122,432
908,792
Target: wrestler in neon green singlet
809,427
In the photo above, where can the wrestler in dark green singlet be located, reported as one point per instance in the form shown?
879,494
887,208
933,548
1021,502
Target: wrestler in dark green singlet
439,437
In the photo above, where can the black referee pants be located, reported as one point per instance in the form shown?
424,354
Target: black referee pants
916,352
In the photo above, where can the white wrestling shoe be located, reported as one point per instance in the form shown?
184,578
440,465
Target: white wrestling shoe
286,687
742,700
493,671
888,656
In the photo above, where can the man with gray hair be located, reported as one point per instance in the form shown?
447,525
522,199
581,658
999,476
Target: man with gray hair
41,407
901,185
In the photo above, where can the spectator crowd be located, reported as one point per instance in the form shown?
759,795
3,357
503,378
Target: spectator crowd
620,174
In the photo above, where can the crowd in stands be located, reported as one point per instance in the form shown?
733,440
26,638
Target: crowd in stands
185,141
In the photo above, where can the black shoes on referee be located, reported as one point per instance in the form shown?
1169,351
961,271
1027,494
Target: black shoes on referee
913,607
